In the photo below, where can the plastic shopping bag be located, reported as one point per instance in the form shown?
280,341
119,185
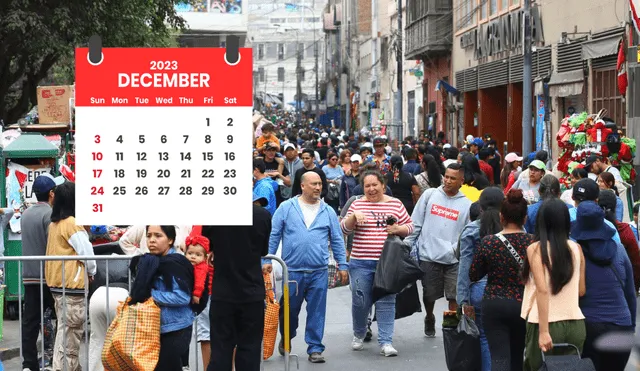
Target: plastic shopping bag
462,346
133,338
271,313
396,269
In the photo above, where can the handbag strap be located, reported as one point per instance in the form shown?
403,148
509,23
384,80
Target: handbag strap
512,250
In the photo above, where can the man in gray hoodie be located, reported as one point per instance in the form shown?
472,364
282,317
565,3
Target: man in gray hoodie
439,217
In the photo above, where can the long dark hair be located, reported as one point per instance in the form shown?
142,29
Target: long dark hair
433,151
552,233
471,168
434,176
607,200
64,202
490,202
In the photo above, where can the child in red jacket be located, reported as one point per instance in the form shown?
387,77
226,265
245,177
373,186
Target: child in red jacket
197,252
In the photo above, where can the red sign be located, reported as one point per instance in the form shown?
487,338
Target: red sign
444,212
154,77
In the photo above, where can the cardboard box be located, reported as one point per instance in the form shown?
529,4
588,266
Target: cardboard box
53,104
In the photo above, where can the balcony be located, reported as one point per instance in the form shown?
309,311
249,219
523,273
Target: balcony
429,31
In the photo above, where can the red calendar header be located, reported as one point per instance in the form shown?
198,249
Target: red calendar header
158,77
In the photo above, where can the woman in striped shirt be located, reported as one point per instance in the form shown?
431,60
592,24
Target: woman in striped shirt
367,219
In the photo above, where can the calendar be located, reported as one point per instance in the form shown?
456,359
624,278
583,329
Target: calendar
163,136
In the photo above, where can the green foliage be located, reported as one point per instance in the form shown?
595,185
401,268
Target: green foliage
38,37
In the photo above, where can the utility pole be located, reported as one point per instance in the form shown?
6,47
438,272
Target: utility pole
527,95
348,124
315,46
399,60
298,85
339,48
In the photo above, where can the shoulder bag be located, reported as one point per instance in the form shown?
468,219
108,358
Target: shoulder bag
512,250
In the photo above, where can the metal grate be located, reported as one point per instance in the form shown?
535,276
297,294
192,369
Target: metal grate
471,79
610,61
541,63
570,56
460,81
492,74
515,68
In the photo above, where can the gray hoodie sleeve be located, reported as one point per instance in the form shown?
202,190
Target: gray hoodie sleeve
418,217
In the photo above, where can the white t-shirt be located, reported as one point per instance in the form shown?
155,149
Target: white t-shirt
615,172
310,211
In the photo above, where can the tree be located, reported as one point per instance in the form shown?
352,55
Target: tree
37,39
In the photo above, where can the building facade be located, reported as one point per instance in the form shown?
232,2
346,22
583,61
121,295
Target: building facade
211,21
575,47
280,34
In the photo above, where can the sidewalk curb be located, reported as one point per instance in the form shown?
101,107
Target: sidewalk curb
9,353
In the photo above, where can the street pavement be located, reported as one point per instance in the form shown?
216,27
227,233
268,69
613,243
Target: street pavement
415,351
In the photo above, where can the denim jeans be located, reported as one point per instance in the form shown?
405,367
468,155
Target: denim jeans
477,291
361,273
312,288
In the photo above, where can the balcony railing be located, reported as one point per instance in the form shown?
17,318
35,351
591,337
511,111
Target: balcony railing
429,31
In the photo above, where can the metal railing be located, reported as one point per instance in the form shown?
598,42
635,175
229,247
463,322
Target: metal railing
89,288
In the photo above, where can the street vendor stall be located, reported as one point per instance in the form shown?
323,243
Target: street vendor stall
25,158
582,135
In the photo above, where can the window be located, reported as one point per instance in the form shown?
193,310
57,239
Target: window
261,74
483,9
504,5
272,51
465,11
301,50
493,7
260,52
280,51
277,20
312,19
280,74
515,2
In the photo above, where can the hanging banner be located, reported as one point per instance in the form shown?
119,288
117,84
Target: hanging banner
540,123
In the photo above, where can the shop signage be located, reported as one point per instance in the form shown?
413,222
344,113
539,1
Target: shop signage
503,34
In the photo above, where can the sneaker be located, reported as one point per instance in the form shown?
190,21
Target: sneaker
357,343
186,368
430,326
369,334
316,357
388,350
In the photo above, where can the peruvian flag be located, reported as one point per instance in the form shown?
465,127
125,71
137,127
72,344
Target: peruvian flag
635,13
621,67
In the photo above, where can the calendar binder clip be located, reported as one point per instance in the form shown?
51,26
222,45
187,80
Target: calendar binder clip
232,55
95,55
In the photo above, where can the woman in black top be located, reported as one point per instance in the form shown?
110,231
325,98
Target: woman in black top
403,185
473,176
500,257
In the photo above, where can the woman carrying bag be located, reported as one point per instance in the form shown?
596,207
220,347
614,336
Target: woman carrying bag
554,276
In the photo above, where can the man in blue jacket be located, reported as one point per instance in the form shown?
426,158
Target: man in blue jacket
307,226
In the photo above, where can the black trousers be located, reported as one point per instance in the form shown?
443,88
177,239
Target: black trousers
31,325
172,346
505,332
605,361
236,325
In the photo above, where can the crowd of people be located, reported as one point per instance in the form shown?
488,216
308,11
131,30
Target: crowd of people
494,234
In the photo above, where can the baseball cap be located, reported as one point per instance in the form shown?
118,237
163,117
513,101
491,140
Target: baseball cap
589,161
511,157
289,146
263,201
270,145
378,141
356,158
324,135
477,142
586,190
446,145
538,165
46,182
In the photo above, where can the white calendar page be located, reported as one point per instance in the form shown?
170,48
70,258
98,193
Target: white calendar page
164,137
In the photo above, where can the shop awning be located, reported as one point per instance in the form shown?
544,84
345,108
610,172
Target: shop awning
447,87
564,84
600,47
